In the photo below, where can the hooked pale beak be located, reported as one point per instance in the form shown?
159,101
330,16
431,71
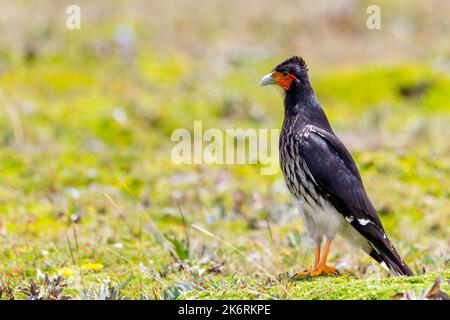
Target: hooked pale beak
267,79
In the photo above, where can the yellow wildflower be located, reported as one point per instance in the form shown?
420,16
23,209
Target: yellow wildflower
92,266
66,272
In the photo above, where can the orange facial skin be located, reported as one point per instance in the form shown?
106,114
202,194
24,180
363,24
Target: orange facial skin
283,81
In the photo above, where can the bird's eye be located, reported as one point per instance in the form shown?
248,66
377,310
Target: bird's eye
285,73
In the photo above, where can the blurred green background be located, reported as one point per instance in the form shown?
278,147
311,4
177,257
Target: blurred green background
87,187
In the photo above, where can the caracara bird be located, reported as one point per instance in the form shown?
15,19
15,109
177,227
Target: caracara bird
323,178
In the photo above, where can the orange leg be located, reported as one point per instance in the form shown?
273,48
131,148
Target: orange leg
316,263
317,256
320,266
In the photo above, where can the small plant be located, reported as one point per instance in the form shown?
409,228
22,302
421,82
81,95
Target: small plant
7,290
45,288
178,289
109,291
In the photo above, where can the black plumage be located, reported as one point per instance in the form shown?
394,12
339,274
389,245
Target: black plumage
322,176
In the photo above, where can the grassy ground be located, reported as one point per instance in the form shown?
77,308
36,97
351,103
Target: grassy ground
88,191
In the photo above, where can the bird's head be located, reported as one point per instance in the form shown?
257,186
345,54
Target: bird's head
288,73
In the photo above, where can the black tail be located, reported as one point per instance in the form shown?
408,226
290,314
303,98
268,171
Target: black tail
390,257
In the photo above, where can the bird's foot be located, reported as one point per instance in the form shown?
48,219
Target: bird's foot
304,273
318,271
324,271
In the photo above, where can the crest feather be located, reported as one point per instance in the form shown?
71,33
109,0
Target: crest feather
295,60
